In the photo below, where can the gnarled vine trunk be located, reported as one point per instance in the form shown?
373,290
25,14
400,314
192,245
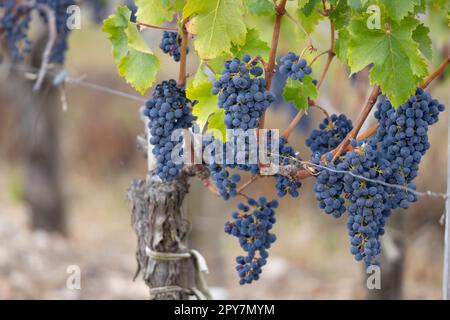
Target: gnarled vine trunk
159,223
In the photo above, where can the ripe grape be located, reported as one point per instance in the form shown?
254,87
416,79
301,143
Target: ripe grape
168,110
331,132
242,94
294,67
251,225
171,44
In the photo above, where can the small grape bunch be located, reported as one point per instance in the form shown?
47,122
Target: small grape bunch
242,93
285,184
167,110
171,44
226,185
294,67
251,224
330,134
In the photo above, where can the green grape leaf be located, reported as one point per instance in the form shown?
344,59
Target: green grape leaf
340,47
200,76
115,26
216,24
357,5
310,22
253,46
307,6
154,11
216,123
260,7
341,14
207,102
298,92
420,35
397,63
399,9
135,60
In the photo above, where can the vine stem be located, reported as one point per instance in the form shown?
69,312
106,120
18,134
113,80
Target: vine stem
151,26
183,56
292,125
435,73
280,11
359,122
331,55
270,67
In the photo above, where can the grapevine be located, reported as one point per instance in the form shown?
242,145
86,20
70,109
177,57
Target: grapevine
227,97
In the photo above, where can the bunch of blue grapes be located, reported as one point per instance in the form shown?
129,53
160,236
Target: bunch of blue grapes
286,184
294,67
392,156
329,185
330,134
242,93
60,46
226,184
368,208
251,225
403,140
15,20
171,44
168,110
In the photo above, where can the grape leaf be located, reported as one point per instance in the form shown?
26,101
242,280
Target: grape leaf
216,24
357,4
207,102
253,46
309,23
216,123
399,9
260,7
340,47
341,14
307,6
115,26
397,64
154,11
298,92
135,60
420,35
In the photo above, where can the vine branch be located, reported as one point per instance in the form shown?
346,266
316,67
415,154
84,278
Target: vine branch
144,26
183,56
331,55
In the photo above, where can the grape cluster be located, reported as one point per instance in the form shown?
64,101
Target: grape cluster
226,184
60,46
330,134
168,110
294,67
15,20
242,93
252,224
392,156
286,184
171,44
329,186
403,139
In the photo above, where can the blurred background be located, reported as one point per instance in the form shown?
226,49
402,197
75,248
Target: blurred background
64,176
